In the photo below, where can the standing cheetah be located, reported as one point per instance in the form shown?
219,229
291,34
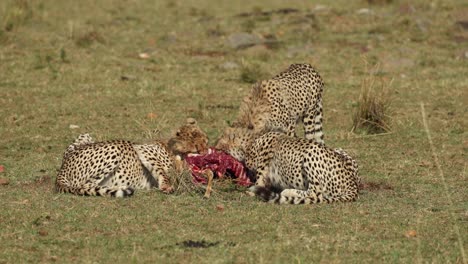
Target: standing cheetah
116,168
301,170
294,95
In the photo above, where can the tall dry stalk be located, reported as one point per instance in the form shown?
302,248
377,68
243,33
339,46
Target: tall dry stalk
372,114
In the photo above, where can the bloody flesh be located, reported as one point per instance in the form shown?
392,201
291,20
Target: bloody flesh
220,163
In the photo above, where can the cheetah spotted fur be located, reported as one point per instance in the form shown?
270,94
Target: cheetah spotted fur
294,170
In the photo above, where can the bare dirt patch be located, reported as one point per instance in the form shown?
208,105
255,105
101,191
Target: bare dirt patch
375,186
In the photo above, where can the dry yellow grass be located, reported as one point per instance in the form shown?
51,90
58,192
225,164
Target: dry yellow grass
373,111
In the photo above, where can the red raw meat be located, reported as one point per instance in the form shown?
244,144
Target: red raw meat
218,162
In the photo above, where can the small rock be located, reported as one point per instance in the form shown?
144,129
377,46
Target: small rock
4,181
243,40
43,232
319,8
2,168
410,233
220,207
74,126
364,11
229,65
144,55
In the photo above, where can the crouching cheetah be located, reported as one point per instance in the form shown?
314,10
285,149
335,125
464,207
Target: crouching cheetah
294,170
116,168
294,95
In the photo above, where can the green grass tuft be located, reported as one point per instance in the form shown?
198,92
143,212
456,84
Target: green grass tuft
372,113
182,182
17,13
252,73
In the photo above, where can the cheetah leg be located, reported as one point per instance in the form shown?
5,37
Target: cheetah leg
158,172
289,196
163,181
261,175
314,194
179,164
261,181
293,196
299,196
312,121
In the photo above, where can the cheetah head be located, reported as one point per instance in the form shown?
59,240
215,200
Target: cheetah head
189,138
255,109
235,141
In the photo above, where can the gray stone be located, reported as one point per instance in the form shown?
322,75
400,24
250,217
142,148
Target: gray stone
365,11
229,65
243,40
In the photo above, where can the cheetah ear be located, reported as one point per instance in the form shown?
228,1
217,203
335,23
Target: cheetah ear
191,121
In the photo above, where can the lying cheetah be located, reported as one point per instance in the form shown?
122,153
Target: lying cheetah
304,171
294,95
116,168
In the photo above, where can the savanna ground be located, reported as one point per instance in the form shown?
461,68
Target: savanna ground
122,69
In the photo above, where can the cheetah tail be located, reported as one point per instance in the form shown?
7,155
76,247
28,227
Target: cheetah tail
96,190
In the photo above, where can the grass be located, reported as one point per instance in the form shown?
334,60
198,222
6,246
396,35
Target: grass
49,81
372,113
251,74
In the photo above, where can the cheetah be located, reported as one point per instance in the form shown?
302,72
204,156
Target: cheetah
293,170
116,168
293,96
